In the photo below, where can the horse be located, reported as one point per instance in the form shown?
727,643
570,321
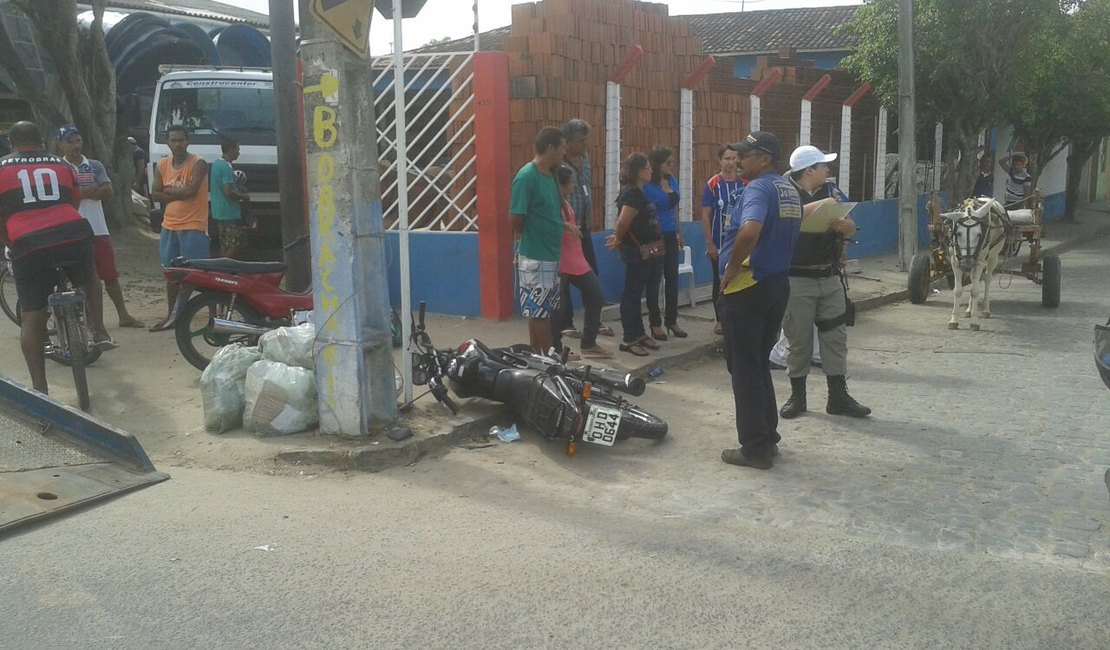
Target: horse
976,239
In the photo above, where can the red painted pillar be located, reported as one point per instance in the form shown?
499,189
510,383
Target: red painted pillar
491,144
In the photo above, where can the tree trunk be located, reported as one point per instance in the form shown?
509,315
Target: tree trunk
961,158
1081,152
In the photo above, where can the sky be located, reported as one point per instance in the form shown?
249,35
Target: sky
455,18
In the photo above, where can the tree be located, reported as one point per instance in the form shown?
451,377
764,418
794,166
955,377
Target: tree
970,60
1066,99
87,81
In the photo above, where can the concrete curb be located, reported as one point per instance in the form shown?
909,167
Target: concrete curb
388,454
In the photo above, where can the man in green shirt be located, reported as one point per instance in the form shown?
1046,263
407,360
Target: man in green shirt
536,212
225,196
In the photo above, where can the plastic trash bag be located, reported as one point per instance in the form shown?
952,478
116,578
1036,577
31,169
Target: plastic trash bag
223,386
290,345
281,399
778,353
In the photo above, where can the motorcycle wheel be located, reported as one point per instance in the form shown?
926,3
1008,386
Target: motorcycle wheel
635,422
195,340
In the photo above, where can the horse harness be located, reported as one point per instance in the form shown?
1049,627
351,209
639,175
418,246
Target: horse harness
966,225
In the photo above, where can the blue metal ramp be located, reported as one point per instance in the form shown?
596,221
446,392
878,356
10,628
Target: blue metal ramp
54,458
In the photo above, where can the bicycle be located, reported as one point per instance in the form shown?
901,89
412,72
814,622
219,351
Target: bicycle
67,308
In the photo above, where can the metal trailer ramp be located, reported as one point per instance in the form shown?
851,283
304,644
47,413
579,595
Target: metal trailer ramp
54,458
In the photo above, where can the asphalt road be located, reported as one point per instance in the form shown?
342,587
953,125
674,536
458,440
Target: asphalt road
968,512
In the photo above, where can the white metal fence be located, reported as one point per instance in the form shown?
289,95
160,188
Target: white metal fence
439,96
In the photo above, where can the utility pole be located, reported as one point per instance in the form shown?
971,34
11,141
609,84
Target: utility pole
354,352
287,109
907,147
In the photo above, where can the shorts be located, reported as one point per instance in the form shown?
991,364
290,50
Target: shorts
190,244
538,292
105,258
231,233
34,274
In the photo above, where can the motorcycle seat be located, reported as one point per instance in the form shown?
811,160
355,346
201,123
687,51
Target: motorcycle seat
227,265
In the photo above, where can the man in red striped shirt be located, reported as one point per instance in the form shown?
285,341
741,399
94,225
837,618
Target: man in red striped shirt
40,225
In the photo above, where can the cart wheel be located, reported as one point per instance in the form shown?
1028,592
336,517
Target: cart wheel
1050,281
920,282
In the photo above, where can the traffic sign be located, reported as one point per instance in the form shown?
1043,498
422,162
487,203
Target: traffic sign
348,19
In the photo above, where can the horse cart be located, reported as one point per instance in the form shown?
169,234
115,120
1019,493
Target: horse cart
1022,227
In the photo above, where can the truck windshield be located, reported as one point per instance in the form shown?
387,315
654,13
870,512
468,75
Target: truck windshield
217,109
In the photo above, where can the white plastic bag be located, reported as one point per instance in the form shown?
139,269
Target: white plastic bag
778,353
222,386
281,399
289,345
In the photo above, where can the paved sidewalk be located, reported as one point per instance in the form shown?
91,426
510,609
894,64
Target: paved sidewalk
878,282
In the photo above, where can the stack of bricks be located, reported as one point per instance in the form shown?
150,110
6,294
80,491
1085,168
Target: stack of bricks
561,55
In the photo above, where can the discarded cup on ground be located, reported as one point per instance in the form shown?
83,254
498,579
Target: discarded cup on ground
509,434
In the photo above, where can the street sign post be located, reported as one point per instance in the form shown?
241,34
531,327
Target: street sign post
348,19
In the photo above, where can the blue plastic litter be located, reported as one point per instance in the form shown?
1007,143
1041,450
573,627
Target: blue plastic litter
505,435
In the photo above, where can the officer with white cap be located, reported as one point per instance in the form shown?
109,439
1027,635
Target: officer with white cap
817,292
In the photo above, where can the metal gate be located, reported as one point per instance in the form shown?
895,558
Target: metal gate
439,98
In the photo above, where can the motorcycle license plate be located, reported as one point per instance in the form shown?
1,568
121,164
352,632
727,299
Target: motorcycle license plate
601,425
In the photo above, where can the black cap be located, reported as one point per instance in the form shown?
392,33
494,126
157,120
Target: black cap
762,141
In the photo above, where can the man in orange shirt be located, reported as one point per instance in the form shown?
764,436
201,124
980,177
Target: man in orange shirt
181,186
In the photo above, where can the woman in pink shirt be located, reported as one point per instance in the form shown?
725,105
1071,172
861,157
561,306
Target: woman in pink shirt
573,269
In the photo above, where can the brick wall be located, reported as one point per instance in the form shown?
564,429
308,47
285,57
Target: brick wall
562,52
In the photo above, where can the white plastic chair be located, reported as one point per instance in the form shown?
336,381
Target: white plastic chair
686,267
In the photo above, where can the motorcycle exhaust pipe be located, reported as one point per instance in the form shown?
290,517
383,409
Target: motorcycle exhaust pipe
225,326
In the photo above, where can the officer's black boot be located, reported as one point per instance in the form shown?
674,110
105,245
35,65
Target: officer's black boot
796,405
840,402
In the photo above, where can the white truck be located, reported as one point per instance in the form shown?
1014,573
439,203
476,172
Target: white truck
218,104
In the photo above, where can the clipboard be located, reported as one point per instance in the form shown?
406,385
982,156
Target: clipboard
826,214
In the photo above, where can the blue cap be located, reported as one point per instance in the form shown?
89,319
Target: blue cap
67,132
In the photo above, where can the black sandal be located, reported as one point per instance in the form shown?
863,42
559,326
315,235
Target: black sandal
633,348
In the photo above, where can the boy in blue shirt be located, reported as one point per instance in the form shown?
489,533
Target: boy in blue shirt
225,196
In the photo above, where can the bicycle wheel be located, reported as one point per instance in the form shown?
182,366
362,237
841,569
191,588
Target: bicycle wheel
76,345
9,299
59,353
194,338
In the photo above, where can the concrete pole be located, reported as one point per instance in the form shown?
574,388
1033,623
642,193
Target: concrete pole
805,135
402,168
938,158
353,353
845,176
686,153
880,156
907,149
755,113
287,118
612,151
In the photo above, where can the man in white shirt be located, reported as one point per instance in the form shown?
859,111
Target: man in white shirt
95,186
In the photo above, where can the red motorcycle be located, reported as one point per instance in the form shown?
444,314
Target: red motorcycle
237,301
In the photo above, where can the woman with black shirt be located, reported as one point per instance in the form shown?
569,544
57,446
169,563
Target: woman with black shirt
636,232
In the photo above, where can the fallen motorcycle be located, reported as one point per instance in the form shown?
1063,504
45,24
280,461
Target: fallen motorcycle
561,402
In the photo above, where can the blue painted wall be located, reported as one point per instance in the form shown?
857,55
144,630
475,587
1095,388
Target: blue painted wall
444,266
443,270
742,66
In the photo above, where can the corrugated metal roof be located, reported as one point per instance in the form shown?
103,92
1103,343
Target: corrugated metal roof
195,8
491,41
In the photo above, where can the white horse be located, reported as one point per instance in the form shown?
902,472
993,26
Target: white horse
977,236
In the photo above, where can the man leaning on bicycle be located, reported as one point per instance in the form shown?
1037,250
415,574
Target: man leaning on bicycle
41,226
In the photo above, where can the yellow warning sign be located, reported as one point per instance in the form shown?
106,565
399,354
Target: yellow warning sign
349,19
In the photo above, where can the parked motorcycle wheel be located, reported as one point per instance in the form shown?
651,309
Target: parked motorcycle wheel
635,422
197,343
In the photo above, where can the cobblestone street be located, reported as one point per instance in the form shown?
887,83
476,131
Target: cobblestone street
991,442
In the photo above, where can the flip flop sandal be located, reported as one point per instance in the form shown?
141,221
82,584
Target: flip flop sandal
648,343
597,352
605,330
634,348
572,333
